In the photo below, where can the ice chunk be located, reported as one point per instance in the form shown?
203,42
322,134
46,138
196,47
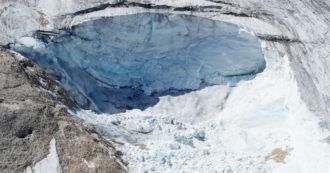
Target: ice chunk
184,140
200,135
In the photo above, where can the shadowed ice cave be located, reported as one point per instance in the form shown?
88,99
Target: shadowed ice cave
113,64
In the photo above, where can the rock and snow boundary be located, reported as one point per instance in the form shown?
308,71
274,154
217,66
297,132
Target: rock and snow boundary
50,164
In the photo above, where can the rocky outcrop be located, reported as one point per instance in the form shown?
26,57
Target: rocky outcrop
30,119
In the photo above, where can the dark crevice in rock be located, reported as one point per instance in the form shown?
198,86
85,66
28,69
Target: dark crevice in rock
224,2
6,46
237,14
252,14
44,36
22,133
198,8
206,8
13,86
49,33
148,6
278,38
100,7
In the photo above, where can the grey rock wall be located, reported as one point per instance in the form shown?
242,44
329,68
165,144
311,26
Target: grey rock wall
30,119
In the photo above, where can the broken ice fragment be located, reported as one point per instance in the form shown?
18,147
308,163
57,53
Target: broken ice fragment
184,140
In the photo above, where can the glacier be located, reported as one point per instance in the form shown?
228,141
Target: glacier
125,62
275,122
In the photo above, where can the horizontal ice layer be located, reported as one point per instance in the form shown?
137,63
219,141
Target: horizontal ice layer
119,62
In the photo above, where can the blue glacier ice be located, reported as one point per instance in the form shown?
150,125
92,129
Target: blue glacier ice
112,64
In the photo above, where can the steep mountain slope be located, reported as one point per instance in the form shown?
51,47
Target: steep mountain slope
30,122
275,122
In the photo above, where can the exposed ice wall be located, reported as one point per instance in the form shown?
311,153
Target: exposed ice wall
128,58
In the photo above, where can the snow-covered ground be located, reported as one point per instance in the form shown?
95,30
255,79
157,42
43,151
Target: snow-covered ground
258,126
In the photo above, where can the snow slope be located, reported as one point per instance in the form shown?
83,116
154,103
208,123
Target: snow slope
259,126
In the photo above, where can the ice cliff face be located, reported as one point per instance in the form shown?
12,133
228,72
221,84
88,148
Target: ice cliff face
134,58
275,122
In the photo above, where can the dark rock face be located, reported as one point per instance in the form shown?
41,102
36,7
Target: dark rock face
29,120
